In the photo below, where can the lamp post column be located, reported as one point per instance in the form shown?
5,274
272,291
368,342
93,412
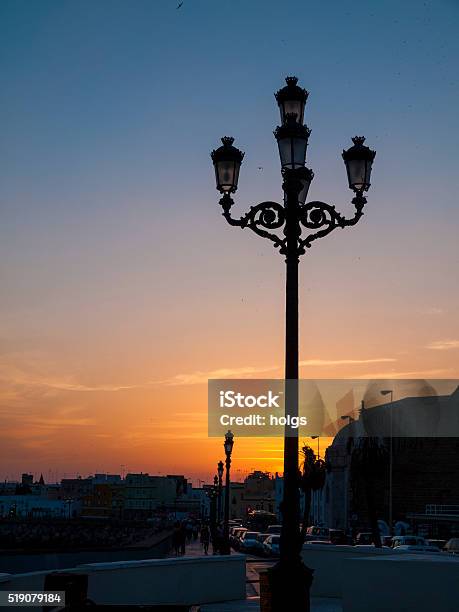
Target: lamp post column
290,579
289,541
220,487
226,549
213,517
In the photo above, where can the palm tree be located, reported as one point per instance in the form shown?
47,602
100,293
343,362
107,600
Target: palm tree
312,478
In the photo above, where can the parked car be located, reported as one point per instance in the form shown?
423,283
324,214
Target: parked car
337,536
317,533
248,541
408,540
271,546
365,538
440,543
452,546
261,538
274,529
235,540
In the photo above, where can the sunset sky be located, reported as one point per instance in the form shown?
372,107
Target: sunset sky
123,288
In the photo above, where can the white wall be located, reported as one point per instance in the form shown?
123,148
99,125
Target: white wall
183,580
402,582
326,560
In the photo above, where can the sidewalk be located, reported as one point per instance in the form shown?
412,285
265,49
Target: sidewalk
194,549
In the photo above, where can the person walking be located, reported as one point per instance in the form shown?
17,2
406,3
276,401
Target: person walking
189,532
176,539
205,538
182,539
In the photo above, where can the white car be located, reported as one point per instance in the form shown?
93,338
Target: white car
271,546
452,546
249,541
261,538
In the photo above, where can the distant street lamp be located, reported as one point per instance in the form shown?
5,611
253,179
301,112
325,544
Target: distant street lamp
283,224
220,469
228,445
212,493
318,492
387,392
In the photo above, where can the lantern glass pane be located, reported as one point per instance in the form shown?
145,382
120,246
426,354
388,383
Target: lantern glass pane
356,173
368,172
285,152
304,191
295,107
299,151
237,167
226,175
292,152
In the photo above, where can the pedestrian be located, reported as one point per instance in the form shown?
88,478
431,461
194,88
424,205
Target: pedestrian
182,539
195,532
189,531
205,538
176,539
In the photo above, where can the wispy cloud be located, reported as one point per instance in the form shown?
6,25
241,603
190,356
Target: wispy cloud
443,345
26,371
433,311
201,377
412,374
339,362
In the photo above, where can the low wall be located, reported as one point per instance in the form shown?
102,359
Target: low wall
181,580
19,562
327,559
420,582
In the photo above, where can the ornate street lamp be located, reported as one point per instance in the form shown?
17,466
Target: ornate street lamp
227,161
220,468
359,160
228,445
292,140
292,100
285,225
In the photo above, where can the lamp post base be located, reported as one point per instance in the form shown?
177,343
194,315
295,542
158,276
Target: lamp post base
289,585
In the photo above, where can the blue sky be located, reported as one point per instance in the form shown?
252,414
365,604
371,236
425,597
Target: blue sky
115,262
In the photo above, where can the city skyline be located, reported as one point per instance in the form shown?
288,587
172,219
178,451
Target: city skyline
123,288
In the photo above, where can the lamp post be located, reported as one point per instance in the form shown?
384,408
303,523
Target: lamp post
220,487
228,446
212,493
387,392
317,492
283,224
